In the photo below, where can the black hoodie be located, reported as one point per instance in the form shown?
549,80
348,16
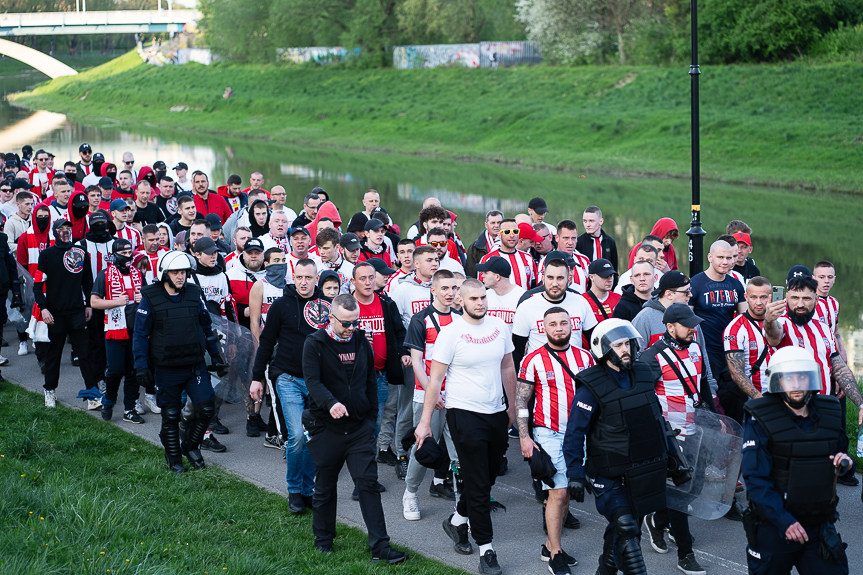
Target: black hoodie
629,305
290,320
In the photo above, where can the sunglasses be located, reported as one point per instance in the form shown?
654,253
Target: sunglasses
346,324
509,232
87,152
130,163
437,244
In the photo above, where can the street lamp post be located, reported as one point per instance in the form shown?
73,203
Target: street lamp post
696,233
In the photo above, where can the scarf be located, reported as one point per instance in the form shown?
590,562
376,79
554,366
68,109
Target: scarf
331,332
417,280
275,274
117,284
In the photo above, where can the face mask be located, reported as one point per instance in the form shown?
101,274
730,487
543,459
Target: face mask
64,236
42,222
79,213
122,261
99,228
159,175
275,274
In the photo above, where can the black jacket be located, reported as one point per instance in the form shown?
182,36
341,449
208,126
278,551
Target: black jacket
629,305
584,244
475,253
69,280
396,334
327,382
290,321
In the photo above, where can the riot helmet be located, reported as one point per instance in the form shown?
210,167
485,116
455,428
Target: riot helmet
793,369
173,261
610,333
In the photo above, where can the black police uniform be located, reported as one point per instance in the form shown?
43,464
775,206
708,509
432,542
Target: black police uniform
790,478
171,335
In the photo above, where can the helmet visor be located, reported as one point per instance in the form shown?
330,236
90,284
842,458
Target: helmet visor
617,335
795,376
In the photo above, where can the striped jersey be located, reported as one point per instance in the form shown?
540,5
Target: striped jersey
393,279
827,311
817,338
553,386
131,234
607,305
747,335
523,267
677,406
101,254
421,335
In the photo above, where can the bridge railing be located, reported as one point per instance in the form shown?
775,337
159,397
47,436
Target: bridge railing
97,18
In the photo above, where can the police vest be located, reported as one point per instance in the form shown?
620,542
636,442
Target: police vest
803,472
630,430
177,339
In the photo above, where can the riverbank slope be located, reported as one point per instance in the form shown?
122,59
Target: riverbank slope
786,125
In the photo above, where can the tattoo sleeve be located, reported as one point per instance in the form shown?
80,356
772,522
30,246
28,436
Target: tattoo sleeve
846,380
773,332
737,369
522,398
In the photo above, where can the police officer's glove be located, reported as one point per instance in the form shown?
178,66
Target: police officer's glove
17,302
576,489
680,475
145,378
220,368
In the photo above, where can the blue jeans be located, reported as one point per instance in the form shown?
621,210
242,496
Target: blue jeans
294,398
383,394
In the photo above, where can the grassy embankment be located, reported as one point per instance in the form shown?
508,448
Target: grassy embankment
790,125
83,496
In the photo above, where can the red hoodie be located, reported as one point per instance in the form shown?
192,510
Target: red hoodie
325,210
660,230
79,226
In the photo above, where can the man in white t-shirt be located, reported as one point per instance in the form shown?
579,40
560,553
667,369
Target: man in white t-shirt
503,296
474,354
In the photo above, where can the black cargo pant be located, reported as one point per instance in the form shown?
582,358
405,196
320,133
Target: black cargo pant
72,325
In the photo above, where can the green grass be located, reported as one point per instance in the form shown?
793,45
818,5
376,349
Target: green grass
81,496
9,66
788,125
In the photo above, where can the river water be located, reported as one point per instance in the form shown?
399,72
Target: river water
789,227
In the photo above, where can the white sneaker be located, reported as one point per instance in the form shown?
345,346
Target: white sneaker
50,398
150,403
139,407
410,506
3,360
94,404
22,348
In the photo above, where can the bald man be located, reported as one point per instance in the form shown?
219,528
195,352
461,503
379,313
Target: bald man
279,196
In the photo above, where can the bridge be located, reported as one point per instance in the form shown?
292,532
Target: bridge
100,22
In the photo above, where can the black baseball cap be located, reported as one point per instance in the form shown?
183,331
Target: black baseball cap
350,242
253,244
60,223
538,205
159,165
98,157
80,200
105,183
671,280
99,217
85,148
380,266
601,267
205,245
21,184
559,255
682,314
496,264
214,220
373,224
798,271
121,244
297,230
181,166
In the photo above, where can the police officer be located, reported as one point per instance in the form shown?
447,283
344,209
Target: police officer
791,456
172,332
616,409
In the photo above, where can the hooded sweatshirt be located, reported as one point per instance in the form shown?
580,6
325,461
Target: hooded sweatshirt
148,174
629,305
258,231
325,210
660,229
217,293
234,202
79,224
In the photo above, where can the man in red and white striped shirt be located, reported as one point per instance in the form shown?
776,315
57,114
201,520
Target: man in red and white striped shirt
548,373
151,248
746,349
523,267
827,309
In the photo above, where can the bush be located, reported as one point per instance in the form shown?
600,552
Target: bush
840,43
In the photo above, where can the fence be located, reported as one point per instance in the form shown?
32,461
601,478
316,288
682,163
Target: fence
480,55
319,55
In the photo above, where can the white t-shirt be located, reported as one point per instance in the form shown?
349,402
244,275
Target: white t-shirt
410,296
474,354
447,263
503,306
529,316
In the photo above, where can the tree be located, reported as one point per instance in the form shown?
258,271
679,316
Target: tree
447,21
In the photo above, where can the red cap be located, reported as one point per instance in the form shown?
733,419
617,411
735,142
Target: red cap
526,232
742,237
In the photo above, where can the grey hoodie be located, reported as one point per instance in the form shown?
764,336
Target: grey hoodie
649,324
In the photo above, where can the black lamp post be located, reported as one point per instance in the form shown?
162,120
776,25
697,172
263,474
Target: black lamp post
695,233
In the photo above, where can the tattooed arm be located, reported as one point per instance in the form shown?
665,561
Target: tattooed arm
523,394
738,374
847,382
772,330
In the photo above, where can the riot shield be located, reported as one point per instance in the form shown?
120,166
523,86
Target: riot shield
238,347
712,448
29,301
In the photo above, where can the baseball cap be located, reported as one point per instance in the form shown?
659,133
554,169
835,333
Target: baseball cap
119,205
121,244
98,217
743,237
315,190
682,314
105,183
380,266
253,244
180,166
350,242
559,255
497,265
159,165
85,148
671,280
59,223
526,232
601,267
205,245
798,271
19,184
538,205
298,229
214,220
98,157
80,201
50,155
373,224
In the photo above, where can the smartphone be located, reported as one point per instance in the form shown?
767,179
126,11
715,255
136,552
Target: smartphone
778,293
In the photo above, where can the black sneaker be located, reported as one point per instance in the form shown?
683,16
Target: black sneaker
571,521
458,535
504,467
734,513
513,432
324,549
387,457
132,416
296,504
75,361
442,491
849,479
262,425
545,556
558,565
274,442
210,443
657,536
107,412
390,555
217,427
402,468
488,563
252,429
690,565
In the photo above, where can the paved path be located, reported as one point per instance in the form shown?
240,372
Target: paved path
719,545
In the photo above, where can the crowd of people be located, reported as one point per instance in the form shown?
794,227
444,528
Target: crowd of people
375,346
